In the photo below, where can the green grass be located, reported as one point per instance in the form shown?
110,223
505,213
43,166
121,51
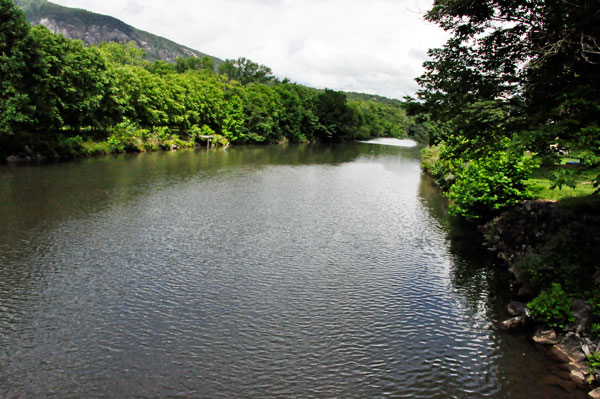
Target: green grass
540,182
565,161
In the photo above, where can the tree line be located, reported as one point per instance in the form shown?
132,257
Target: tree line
59,89
516,86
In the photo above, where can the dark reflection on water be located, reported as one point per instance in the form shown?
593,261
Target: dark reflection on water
284,271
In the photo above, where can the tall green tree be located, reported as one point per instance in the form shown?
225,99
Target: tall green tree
262,114
337,121
18,68
526,71
194,63
298,120
246,71
75,83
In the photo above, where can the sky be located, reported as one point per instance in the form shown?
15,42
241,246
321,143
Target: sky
369,46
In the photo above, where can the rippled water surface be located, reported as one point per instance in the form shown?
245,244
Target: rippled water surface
289,272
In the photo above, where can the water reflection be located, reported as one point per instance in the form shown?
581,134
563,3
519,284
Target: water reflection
393,142
485,284
283,271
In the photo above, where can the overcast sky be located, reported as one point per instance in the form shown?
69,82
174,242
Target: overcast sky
371,46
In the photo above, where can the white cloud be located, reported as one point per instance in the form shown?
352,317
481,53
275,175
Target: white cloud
374,46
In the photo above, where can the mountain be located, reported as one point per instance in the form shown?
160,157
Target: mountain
95,28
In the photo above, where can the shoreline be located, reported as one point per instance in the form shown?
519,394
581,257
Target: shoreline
521,233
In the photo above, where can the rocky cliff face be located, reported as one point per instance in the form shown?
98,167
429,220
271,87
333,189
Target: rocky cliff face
92,34
95,34
96,28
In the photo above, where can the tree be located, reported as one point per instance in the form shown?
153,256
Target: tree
74,85
18,63
123,54
337,121
194,63
262,114
246,71
298,120
535,62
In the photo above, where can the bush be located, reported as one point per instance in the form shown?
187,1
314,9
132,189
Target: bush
595,330
594,302
490,183
594,361
430,157
439,162
554,261
565,248
127,137
70,147
552,307
95,148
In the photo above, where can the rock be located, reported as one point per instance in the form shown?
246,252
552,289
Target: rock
27,150
596,278
595,394
54,154
568,351
525,291
582,366
517,308
545,336
583,314
513,323
566,385
578,377
586,349
12,159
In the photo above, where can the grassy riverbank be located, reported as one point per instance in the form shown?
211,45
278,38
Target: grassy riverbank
582,178
126,139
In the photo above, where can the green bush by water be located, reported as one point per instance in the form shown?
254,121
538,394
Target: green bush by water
552,307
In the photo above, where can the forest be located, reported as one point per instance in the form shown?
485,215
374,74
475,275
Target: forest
62,99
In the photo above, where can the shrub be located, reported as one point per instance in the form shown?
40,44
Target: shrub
594,361
429,157
95,148
594,302
565,248
439,162
490,183
552,307
70,147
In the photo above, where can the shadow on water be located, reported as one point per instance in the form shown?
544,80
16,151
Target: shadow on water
477,273
487,287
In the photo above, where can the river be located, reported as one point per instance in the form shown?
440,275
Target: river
293,271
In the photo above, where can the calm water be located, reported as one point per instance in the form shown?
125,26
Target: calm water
277,272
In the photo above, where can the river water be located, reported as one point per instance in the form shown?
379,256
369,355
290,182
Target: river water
295,271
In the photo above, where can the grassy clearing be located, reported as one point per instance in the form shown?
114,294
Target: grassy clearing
540,182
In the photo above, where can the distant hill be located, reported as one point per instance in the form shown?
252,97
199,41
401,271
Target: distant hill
95,28
374,97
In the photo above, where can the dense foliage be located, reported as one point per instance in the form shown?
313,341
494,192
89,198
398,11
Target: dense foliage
61,96
519,78
565,247
552,307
